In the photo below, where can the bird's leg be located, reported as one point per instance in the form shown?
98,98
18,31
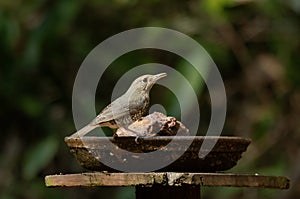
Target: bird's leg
136,140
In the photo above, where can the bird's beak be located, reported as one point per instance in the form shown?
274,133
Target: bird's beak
155,78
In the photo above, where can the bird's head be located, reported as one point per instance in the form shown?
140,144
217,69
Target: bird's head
144,83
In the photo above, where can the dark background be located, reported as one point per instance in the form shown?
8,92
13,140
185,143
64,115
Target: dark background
255,45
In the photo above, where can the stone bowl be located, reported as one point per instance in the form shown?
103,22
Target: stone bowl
91,152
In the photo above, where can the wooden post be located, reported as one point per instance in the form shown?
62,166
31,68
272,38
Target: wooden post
167,192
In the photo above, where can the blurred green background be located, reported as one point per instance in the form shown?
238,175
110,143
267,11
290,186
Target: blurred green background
255,44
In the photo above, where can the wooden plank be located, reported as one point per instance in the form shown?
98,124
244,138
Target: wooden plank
103,179
166,179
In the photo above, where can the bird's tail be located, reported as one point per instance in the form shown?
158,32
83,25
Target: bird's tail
84,130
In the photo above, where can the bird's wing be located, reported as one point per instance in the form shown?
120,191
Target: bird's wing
115,110
121,108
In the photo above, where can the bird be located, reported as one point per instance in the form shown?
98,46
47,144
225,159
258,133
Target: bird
126,109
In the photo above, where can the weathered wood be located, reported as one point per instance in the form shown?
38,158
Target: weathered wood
168,192
167,179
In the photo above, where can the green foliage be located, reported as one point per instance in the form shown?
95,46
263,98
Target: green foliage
31,106
38,156
217,8
255,45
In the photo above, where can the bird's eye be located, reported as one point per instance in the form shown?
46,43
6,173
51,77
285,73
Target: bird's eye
145,79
